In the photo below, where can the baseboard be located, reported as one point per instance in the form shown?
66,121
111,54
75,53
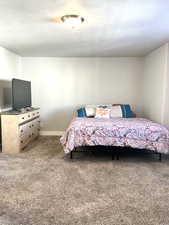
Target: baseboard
51,133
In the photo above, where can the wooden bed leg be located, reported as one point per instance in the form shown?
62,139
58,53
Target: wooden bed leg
71,154
160,157
117,156
112,157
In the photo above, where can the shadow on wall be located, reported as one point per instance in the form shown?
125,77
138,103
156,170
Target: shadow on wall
56,120
5,94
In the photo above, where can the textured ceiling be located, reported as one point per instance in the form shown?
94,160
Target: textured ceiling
111,27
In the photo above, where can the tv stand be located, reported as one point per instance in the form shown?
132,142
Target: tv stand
19,129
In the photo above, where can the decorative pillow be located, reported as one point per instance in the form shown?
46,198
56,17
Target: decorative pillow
126,111
81,112
121,111
116,111
102,112
90,111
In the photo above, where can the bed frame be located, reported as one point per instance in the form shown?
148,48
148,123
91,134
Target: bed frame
115,153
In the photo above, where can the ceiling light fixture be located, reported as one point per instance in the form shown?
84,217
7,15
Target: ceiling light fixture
72,21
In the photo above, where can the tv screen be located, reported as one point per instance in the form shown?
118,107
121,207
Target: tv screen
21,94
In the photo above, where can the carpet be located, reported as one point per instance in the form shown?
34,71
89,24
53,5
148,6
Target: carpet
41,186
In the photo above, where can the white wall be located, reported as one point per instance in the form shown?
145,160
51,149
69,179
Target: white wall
9,68
154,84
60,84
165,116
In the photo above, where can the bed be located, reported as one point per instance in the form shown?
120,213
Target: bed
136,133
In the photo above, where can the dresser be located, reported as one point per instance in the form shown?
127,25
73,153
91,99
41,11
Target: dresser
19,129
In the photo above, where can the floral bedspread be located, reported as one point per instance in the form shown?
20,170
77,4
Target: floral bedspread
134,132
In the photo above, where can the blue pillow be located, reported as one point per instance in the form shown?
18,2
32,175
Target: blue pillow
103,106
81,112
126,111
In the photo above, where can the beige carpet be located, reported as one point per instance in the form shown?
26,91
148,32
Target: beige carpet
42,187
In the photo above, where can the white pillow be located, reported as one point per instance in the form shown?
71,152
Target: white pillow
116,112
90,111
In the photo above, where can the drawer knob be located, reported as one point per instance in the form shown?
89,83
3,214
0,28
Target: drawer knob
21,141
21,131
32,125
23,118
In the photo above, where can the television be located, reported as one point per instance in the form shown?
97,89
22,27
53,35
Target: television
21,94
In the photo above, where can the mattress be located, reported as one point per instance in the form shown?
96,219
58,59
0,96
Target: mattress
125,132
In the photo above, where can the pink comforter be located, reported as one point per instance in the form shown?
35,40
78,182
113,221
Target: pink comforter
134,132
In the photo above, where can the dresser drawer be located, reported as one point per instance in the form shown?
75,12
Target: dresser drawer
35,127
34,124
24,140
35,113
25,135
25,129
24,117
28,116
